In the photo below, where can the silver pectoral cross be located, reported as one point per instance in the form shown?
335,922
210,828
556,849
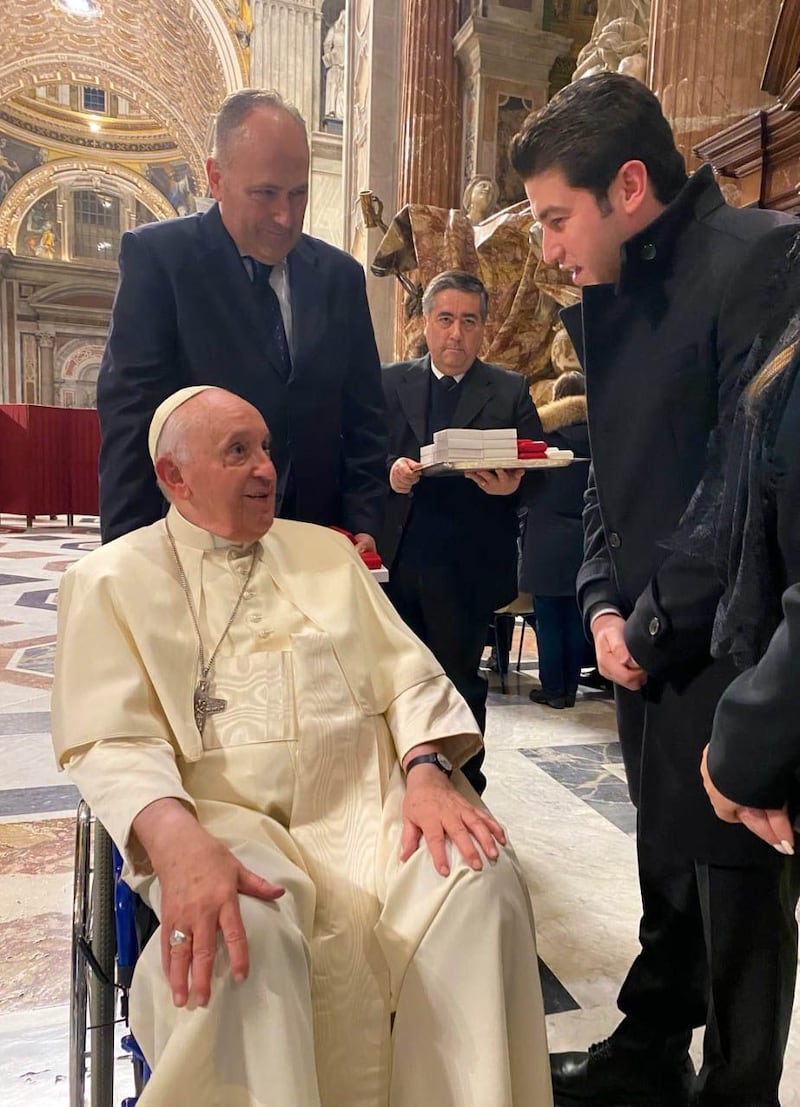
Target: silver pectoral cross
205,705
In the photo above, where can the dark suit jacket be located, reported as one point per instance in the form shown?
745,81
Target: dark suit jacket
187,313
552,549
662,352
484,527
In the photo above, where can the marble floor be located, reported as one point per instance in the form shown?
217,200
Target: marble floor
555,781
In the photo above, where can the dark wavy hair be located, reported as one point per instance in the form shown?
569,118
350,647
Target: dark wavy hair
591,128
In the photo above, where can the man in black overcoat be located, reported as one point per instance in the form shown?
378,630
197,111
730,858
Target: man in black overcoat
450,542
239,297
662,337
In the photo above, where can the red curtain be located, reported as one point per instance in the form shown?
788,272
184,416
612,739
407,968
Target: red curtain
48,460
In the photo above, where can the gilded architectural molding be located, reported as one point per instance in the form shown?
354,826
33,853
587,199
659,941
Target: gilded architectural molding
72,173
175,59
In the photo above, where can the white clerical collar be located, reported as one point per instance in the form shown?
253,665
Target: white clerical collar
189,534
439,375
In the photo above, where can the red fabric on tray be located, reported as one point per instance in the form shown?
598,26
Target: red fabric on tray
527,449
371,560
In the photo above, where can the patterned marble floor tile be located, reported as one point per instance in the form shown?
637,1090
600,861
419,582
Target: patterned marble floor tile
37,847
34,969
25,722
23,801
29,761
584,769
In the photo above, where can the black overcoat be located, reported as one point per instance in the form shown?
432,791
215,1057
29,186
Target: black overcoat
187,313
662,351
552,549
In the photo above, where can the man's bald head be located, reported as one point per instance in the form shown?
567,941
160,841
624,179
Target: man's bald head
259,174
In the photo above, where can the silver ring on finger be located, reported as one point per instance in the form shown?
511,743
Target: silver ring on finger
177,938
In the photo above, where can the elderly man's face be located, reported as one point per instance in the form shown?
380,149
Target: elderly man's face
454,330
229,480
262,184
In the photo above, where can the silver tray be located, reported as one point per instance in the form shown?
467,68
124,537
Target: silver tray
445,468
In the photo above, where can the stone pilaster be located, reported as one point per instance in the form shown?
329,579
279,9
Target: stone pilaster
430,113
706,62
47,391
506,71
370,160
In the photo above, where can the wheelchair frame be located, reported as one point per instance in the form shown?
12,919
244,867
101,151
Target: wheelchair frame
104,952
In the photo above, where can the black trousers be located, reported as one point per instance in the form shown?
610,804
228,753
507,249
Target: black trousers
561,642
435,604
719,949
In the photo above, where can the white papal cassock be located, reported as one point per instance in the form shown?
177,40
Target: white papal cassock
372,982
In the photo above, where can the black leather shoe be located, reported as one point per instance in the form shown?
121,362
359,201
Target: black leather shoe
556,702
612,1077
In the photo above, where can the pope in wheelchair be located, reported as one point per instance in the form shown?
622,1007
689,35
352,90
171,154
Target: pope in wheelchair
342,922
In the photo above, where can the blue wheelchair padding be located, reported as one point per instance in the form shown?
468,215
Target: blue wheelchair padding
124,922
127,953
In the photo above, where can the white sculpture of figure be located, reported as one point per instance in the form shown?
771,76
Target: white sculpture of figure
619,40
480,198
333,60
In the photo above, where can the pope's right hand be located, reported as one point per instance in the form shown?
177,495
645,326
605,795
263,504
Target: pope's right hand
404,474
201,881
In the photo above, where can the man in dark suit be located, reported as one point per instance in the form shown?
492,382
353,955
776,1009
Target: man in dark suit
657,256
239,297
451,542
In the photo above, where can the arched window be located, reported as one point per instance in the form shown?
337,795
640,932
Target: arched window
95,225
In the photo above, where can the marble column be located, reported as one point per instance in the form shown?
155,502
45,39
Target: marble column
374,29
706,61
430,113
285,52
47,389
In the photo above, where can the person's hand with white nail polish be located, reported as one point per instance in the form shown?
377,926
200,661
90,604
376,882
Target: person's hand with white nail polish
771,825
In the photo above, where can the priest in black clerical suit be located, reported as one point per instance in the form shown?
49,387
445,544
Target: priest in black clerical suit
450,542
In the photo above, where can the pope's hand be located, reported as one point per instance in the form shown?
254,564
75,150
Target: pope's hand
404,474
435,811
201,881
496,482
613,657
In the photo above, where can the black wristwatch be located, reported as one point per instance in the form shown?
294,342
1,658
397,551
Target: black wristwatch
437,759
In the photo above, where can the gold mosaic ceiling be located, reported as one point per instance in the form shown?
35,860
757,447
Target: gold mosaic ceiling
172,61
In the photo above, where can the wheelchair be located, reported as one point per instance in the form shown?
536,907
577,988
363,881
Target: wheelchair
105,946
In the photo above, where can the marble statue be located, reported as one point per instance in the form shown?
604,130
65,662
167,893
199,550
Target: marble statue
619,40
480,198
505,251
333,50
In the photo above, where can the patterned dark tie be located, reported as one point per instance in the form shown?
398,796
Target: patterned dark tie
283,358
445,394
